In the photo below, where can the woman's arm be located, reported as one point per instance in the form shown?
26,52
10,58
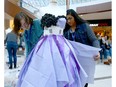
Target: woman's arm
92,37
94,40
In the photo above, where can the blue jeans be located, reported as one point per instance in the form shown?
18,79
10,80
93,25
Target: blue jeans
12,50
101,53
107,52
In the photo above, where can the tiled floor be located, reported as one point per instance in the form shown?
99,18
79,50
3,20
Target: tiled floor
103,75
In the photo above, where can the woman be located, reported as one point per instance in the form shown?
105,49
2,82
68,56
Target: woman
11,40
52,62
78,30
32,30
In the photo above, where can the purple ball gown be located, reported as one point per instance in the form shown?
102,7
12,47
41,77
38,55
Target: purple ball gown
53,62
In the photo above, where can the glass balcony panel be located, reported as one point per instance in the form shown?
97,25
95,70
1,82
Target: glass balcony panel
34,5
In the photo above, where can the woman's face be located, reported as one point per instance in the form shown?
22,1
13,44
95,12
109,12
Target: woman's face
70,20
105,37
24,24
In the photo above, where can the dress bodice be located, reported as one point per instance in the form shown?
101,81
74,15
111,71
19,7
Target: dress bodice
53,30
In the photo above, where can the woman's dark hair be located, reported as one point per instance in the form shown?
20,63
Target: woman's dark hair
77,19
17,20
48,20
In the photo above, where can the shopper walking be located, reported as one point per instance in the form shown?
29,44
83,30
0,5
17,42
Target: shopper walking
11,41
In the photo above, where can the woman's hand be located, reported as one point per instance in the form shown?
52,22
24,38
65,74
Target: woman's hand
97,57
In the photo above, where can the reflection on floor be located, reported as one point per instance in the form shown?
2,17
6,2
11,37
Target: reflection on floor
103,76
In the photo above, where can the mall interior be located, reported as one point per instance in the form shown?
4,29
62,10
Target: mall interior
98,13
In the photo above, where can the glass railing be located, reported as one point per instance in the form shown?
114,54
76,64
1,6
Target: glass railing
80,1
63,2
42,3
33,5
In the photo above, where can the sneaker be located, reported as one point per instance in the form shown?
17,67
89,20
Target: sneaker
107,63
15,66
10,67
110,60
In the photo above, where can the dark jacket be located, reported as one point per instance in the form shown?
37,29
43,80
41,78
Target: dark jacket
82,34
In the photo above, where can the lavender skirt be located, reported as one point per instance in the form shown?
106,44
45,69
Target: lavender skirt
53,63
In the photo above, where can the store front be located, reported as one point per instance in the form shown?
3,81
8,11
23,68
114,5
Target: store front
102,27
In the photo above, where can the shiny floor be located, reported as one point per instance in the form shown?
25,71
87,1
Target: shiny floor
103,74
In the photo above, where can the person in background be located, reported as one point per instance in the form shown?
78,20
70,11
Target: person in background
11,41
78,30
107,50
99,37
110,46
32,30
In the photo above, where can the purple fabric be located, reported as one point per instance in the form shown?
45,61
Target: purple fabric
61,23
74,59
27,63
85,55
52,63
60,49
62,53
